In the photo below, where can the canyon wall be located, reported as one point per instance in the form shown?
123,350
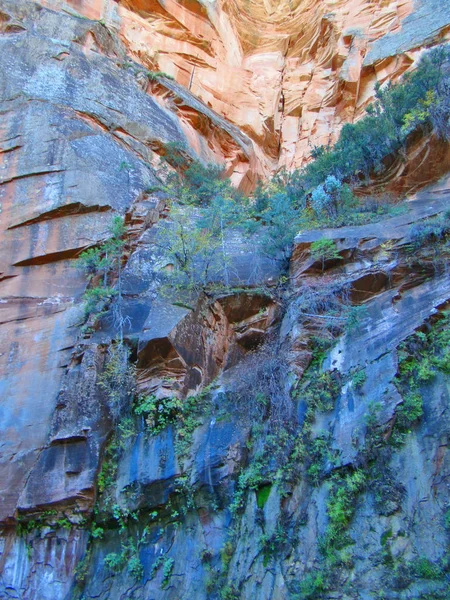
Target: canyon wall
85,133
288,73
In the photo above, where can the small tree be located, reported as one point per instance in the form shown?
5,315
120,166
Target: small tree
190,248
324,250
281,222
105,264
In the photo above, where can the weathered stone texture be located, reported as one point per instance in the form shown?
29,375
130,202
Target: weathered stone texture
287,73
82,131
78,139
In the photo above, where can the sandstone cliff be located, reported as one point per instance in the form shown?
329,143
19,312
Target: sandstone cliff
288,73
84,133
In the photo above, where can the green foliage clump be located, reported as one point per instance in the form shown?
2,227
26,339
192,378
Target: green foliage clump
421,357
97,531
410,410
127,557
115,562
250,478
341,505
158,412
325,250
327,199
47,518
319,454
167,564
195,183
107,476
423,568
102,266
276,216
135,567
156,75
322,392
312,586
430,239
186,414
359,378
229,592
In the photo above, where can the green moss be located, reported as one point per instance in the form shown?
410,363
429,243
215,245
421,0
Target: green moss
262,495
423,568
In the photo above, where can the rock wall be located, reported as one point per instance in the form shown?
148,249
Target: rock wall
91,504
215,502
80,143
288,73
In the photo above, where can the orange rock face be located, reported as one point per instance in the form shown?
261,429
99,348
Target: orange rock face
288,73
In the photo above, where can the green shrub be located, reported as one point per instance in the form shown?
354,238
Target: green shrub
325,250
156,75
355,316
135,567
341,507
104,264
359,377
250,478
312,586
167,571
409,411
167,564
158,412
430,232
97,532
322,391
229,592
115,562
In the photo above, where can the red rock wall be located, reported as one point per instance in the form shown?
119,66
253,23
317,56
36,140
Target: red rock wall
288,73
